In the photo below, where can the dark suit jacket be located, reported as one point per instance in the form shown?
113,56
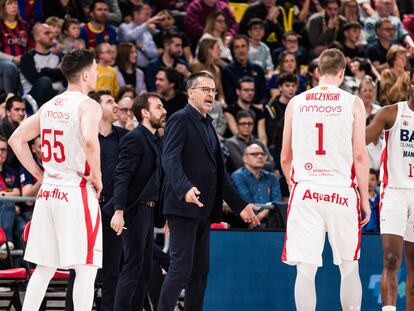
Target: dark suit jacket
137,163
188,161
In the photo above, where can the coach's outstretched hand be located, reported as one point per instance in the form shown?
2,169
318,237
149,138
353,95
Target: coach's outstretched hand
367,211
248,215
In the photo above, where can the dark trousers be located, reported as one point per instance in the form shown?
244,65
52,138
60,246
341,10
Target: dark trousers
137,242
111,267
189,263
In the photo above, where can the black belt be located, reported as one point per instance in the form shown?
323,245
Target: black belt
149,203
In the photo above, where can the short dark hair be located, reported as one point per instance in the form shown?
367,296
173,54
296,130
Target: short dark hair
137,8
76,61
381,22
3,139
326,2
364,64
172,75
124,89
244,79
287,78
168,37
374,172
289,33
11,100
192,81
254,22
142,102
237,37
94,2
352,25
96,96
69,21
245,114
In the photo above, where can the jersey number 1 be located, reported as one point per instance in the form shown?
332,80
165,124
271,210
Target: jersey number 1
320,150
58,151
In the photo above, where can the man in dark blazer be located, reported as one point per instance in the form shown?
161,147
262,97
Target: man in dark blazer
194,188
136,196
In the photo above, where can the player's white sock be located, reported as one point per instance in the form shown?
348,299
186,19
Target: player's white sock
37,287
351,289
389,308
305,293
84,287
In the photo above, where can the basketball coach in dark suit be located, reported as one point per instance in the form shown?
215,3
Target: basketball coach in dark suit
194,188
137,188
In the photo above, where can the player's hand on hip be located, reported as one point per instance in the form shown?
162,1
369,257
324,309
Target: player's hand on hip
192,196
248,215
367,213
96,182
117,222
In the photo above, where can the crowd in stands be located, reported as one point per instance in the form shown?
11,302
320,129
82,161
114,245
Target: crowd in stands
260,53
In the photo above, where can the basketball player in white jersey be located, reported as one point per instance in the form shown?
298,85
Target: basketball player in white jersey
66,228
323,151
397,196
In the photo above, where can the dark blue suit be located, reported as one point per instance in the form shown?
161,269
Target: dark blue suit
192,158
137,179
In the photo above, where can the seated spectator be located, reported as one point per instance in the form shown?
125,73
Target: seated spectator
216,28
167,82
237,144
359,69
107,76
15,113
274,114
125,115
290,42
350,10
207,57
408,23
166,24
351,46
240,67
64,9
56,28
245,94
128,73
269,12
287,64
171,58
196,16
10,187
138,31
367,91
126,91
40,73
114,15
259,53
384,8
14,42
374,199
377,49
98,29
71,36
127,8
395,80
325,28
255,184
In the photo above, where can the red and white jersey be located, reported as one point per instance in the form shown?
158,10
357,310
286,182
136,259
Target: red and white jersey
322,125
397,159
62,143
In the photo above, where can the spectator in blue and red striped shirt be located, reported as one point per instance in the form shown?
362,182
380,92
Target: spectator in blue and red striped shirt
14,41
98,30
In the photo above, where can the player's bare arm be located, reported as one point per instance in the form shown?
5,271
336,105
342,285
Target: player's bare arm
360,155
90,114
27,130
286,154
383,120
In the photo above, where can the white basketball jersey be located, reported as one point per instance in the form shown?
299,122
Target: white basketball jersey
62,144
322,125
397,164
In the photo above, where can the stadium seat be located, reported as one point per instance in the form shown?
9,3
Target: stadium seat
11,278
238,9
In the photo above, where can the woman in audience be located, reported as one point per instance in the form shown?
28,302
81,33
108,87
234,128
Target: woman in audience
128,73
216,27
208,55
14,42
350,10
359,68
367,91
287,64
395,80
